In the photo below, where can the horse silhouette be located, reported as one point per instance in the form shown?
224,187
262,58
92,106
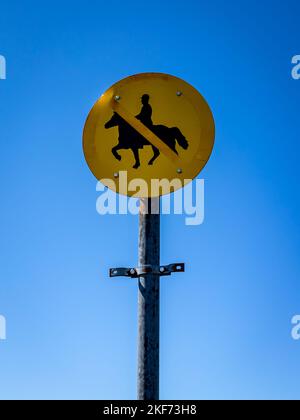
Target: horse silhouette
129,138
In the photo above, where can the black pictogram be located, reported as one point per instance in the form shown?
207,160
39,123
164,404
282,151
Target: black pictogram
130,138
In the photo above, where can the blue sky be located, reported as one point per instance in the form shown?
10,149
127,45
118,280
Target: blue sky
226,322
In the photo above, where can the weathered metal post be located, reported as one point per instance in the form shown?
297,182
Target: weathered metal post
148,273
148,300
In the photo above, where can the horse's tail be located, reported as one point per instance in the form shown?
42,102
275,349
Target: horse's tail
182,141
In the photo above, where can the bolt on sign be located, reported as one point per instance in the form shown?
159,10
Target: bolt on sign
153,126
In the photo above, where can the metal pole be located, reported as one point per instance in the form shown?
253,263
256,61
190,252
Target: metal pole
148,301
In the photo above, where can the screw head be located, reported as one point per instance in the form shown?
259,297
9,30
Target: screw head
117,98
116,175
178,93
132,271
179,171
162,269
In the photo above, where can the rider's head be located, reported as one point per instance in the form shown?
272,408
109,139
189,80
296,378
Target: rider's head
145,99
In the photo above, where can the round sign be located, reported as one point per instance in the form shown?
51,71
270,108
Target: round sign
148,128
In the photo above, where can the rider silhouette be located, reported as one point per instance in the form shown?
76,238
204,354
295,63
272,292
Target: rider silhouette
131,138
146,112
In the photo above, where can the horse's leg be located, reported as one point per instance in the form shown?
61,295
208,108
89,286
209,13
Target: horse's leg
137,158
115,153
155,155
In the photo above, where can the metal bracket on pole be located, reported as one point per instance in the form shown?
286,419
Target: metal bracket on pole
163,270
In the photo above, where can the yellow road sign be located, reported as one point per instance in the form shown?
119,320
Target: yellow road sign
151,126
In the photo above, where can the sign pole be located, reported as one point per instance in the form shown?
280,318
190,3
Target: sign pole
148,274
148,300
